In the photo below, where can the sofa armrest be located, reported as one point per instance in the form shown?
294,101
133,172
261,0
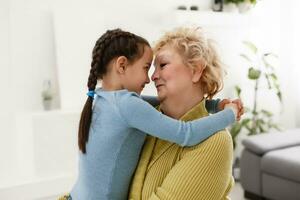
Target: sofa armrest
263,143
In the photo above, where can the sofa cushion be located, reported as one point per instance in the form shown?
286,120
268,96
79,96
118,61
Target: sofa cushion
263,143
284,163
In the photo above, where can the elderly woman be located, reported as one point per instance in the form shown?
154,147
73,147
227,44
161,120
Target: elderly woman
187,72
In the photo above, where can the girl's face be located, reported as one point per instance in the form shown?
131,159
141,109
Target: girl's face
171,76
136,74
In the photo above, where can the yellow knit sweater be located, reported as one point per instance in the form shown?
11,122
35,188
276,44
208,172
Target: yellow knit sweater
167,171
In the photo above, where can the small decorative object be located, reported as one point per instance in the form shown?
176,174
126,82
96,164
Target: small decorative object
230,6
182,7
47,95
242,6
195,8
245,5
217,5
261,71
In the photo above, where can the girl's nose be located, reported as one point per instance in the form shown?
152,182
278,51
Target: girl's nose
147,80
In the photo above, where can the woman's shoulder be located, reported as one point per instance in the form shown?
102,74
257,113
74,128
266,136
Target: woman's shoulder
221,136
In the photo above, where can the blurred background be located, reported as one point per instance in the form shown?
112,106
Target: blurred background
45,55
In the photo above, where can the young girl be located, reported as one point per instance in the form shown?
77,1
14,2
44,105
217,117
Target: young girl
113,128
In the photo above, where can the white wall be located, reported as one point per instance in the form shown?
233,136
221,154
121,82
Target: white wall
8,95
294,32
33,42
33,39
77,31
32,50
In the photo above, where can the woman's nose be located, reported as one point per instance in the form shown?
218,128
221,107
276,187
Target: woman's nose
154,75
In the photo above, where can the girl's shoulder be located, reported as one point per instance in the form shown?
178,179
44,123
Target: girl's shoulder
123,92
117,96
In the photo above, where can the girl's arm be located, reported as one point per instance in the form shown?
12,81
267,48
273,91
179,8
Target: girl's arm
210,105
141,115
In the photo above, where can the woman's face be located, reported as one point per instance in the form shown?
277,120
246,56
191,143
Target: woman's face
172,77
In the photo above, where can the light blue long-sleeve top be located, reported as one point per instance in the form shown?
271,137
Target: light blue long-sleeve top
120,121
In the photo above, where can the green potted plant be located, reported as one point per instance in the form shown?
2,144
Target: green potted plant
258,120
245,5
47,95
230,5
241,5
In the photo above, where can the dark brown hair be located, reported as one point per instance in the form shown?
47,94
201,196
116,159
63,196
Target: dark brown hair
111,44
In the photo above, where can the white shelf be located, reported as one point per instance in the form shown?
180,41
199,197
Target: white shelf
37,187
214,19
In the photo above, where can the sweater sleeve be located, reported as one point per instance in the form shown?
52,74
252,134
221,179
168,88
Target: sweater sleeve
203,173
211,105
142,116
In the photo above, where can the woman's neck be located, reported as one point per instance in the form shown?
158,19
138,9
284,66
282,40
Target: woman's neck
176,107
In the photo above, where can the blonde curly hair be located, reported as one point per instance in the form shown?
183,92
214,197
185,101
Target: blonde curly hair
194,47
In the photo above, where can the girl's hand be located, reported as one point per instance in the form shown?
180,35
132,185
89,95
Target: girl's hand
237,102
240,106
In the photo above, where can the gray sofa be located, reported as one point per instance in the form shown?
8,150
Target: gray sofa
270,166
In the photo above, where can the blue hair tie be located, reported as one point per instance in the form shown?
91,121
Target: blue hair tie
91,93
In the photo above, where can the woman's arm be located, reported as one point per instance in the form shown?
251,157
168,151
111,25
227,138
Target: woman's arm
211,105
140,115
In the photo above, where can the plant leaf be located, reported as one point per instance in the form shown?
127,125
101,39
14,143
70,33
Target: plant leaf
245,121
235,130
268,81
238,91
246,57
273,76
271,54
253,74
267,113
279,96
251,46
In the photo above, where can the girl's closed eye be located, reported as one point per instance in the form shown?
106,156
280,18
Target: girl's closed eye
147,68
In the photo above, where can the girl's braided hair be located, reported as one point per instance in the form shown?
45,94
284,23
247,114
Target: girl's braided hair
111,44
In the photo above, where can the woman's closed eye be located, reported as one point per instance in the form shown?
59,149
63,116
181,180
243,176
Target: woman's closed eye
162,65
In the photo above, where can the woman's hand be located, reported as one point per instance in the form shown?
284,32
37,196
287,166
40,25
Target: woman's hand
239,106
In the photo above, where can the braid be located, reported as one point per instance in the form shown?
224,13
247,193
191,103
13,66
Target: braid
111,44
96,69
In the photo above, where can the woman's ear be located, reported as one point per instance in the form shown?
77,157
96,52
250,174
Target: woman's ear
197,72
121,64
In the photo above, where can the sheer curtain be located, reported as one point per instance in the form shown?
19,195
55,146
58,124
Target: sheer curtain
290,52
296,54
